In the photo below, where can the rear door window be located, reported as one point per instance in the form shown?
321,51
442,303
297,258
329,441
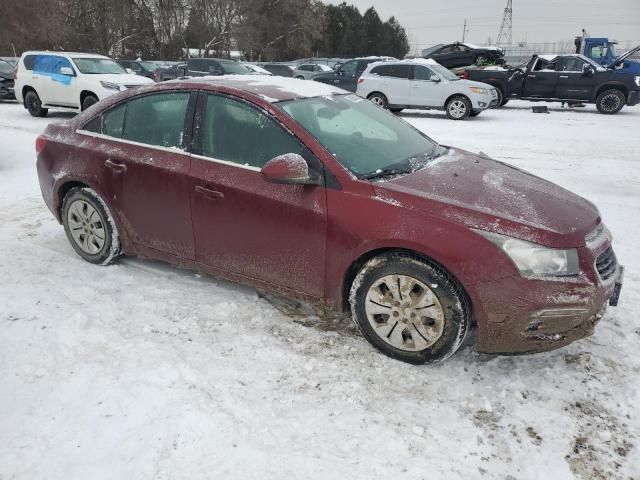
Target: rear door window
234,131
157,119
382,70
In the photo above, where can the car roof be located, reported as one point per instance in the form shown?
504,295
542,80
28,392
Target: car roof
270,88
408,61
68,54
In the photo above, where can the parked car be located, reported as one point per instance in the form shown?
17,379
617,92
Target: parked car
7,76
200,67
171,73
417,240
424,84
346,76
307,71
257,69
145,69
574,79
69,80
279,69
463,54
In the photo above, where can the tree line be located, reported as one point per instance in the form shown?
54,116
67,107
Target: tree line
267,30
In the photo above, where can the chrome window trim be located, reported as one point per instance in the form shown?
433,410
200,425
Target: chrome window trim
131,142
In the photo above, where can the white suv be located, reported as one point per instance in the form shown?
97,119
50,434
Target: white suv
69,80
424,84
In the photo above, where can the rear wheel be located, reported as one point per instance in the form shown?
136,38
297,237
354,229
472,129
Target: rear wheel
458,108
34,105
90,227
88,101
379,99
610,101
409,309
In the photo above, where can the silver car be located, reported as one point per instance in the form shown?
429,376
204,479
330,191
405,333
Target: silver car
307,71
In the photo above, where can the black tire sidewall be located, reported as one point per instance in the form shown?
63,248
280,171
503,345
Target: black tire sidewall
605,94
450,297
103,257
467,104
88,101
29,100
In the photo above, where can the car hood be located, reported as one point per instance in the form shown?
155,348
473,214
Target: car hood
121,79
482,193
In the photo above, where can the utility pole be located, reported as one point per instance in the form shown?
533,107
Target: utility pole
464,29
504,35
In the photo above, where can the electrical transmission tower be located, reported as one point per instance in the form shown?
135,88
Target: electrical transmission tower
504,36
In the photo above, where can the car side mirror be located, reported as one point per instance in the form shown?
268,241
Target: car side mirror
67,71
587,71
435,79
289,168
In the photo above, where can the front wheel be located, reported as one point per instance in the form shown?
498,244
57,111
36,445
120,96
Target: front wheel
90,227
34,104
409,309
458,108
88,101
481,60
379,99
610,101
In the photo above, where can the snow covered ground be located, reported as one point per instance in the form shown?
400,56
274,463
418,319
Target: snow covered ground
143,371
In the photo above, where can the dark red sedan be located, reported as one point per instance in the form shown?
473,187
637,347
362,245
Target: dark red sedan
302,189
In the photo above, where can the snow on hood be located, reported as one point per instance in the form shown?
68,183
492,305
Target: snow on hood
121,78
472,190
289,87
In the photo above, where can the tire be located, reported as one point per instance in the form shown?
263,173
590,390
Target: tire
433,314
396,110
379,99
34,105
502,98
458,107
89,226
610,101
481,60
300,77
88,101
475,113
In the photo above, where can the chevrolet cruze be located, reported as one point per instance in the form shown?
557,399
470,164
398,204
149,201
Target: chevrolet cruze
305,190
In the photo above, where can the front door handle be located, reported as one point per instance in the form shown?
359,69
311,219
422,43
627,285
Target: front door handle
564,76
531,76
208,193
116,167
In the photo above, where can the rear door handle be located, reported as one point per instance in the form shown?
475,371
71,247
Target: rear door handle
208,193
116,167
531,76
564,76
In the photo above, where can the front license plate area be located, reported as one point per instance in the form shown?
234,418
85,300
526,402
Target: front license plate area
613,301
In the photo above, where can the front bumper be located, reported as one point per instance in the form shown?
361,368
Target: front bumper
520,315
7,93
633,98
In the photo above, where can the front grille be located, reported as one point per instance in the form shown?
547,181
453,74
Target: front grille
606,264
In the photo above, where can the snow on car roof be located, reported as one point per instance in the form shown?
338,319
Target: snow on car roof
423,61
474,46
68,54
273,89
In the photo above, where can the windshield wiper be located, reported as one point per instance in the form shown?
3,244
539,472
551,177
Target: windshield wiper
386,172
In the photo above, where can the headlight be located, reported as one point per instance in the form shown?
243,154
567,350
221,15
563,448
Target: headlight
534,260
110,86
481,91
637,79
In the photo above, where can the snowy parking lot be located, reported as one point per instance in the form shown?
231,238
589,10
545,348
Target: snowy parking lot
144,371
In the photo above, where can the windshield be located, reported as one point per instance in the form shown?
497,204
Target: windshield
428,51
5,67
364,138
443,72
234,67
98,65
150,66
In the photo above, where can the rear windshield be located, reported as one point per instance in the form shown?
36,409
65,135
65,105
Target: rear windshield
92,66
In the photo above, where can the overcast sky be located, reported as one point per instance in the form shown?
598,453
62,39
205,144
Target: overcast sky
440,21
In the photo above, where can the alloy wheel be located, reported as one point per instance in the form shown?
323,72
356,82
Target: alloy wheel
404,312
610,102
457,109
